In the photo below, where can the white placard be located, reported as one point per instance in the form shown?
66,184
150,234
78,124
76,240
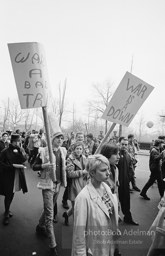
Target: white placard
30,72
127,99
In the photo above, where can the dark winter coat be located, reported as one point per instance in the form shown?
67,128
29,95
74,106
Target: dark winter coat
125,167
8,157
3,145
154,161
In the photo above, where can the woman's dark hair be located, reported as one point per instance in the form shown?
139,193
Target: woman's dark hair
158,142
109,149
78,143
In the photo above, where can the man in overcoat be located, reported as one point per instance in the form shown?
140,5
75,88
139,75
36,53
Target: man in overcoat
125,172
12,176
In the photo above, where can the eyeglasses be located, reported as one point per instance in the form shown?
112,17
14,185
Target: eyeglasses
124,144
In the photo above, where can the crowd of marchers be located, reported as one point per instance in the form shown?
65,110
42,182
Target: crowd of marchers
98,185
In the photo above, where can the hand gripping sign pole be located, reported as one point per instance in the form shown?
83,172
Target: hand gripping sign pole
29,68
46,122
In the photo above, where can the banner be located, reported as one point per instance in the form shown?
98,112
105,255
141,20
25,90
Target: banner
30,72
127,99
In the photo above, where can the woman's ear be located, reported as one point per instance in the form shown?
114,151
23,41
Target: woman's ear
92,173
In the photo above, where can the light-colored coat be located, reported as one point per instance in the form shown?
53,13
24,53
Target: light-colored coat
46,179
63,157
75,173
93,227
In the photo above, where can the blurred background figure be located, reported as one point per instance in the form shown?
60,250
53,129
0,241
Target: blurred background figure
4,143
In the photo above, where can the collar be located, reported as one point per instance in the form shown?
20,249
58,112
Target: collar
96,197
56,149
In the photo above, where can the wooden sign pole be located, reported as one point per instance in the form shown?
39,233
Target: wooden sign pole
47,130
105,138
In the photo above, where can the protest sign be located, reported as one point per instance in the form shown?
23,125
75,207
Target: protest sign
29,68
127,99
30,72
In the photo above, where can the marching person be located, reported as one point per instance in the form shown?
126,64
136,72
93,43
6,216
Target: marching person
111,152
156,156
4,141
79,137
12,176
50,189
125,167
95,212
132,147
75,168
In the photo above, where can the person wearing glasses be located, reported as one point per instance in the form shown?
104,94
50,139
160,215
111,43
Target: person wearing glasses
95,212
126,172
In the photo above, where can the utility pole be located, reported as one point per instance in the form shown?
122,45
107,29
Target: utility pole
120,126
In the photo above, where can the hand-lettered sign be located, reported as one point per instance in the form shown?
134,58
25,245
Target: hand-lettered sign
127,99
30,72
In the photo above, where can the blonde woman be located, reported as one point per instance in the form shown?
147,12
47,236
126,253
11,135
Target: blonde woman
95,212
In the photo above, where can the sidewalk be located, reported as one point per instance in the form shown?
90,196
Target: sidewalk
143,152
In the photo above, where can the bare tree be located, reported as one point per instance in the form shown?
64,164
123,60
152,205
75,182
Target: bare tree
6,115
28,117
103,94
79,125
56,104
16,114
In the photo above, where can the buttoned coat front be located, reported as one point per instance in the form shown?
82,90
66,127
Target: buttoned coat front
8,157
94,229
77,180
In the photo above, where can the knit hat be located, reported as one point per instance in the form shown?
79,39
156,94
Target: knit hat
55,135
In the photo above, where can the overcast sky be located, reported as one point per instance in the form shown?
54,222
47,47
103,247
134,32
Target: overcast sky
87,42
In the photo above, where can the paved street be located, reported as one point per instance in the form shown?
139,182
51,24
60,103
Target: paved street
19,237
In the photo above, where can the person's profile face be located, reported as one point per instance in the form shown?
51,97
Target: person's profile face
57,141
114,159
102,173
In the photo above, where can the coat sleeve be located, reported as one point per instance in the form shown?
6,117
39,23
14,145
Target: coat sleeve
79,246
37,166
70,169
131,167
4,162
156,156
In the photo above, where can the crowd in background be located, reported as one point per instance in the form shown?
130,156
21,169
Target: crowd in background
97,185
